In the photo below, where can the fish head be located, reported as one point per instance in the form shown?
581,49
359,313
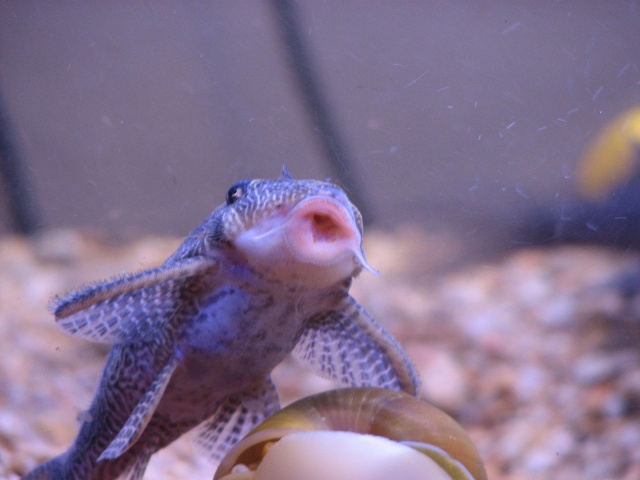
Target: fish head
302,232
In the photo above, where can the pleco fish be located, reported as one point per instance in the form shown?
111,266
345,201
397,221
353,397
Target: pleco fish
195,340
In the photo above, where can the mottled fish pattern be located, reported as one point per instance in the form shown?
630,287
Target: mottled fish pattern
195,340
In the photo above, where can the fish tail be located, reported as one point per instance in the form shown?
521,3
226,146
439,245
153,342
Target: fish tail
50,470
77,465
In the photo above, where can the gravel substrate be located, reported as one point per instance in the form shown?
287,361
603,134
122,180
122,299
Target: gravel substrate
536,353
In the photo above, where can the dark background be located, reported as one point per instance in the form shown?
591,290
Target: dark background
135,117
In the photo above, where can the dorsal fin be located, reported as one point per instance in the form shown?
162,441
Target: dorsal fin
285,175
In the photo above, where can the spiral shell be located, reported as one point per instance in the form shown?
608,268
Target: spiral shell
386,419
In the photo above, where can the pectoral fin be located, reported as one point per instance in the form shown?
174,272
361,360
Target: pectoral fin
348,346
141,414
128,307
236,416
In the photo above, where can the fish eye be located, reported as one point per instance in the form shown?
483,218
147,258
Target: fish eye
236,192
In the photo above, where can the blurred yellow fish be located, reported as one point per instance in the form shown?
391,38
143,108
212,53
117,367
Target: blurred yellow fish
611,158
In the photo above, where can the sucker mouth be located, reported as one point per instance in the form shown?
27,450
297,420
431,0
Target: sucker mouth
322,231
324,228
326,219
317,242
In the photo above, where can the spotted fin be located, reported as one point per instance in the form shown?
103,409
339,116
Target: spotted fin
128,307
236,416
141,414
348,346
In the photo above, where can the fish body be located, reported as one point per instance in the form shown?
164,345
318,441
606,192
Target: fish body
195,340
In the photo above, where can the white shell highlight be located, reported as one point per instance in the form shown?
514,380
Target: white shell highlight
341,456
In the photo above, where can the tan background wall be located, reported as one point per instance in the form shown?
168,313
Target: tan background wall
136,116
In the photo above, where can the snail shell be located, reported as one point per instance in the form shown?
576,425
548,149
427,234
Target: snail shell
370,412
